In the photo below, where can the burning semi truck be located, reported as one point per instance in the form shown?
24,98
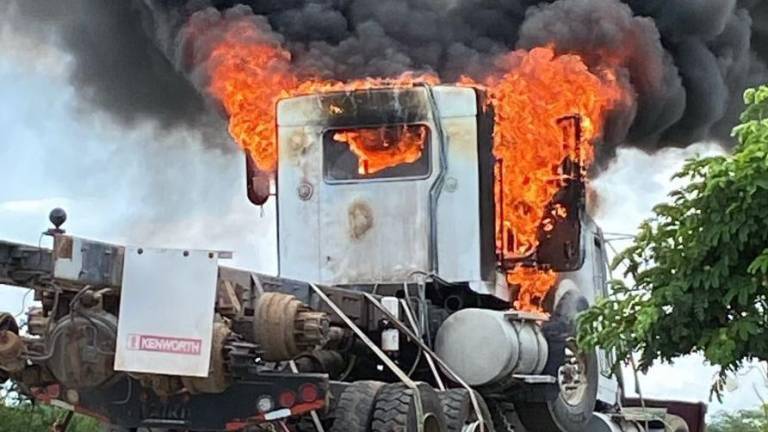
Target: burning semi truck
408,295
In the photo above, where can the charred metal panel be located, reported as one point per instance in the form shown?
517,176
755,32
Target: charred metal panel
486,162
357,108
560,230
560,247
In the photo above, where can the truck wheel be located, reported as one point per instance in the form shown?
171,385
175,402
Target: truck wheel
576,371
354,410
675,423
573,407
459,412
505,418
109,428
395,410
7,323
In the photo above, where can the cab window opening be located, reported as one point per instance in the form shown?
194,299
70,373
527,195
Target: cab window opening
380,152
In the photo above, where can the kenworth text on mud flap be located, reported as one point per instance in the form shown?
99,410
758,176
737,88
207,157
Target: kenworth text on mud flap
391,311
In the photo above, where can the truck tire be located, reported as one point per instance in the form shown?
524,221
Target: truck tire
354,411
564,413
459,412
395,410
7,323
109,428
675,423
112,428
504,416
577,374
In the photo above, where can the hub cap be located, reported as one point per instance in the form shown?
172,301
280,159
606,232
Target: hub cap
572,376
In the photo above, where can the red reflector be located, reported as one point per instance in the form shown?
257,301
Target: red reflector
308,392
287,399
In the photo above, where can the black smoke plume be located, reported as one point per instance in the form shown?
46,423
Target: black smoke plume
117,66
687,61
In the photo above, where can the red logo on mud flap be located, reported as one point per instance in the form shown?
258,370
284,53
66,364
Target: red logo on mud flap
137,342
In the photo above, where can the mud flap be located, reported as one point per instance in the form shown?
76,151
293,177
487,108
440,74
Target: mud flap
166,311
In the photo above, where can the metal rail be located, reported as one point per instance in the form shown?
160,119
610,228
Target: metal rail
412,321
22,265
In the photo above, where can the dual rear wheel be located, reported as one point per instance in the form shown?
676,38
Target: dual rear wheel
460,412
368,406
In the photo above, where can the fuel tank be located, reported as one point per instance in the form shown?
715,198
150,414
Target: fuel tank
486,347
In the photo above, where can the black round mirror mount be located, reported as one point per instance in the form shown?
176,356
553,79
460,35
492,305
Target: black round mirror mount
57,217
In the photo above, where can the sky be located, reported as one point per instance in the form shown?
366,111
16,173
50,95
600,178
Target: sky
140,187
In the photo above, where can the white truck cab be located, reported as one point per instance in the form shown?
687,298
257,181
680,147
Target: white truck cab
416,196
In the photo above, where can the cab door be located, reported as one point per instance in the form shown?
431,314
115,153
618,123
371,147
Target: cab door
374,202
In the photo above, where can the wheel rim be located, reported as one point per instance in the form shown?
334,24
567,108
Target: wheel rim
572,376
475,427
472,427
431,424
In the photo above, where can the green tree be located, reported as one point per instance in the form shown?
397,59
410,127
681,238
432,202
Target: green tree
741,421
697,272
39,418
18,413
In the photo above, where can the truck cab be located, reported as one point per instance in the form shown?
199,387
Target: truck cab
375,186
380,188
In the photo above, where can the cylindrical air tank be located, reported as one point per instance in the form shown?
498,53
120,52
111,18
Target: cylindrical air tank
486,347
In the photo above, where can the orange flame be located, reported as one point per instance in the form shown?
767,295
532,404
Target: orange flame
250,73
384,147
537,89
248,77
